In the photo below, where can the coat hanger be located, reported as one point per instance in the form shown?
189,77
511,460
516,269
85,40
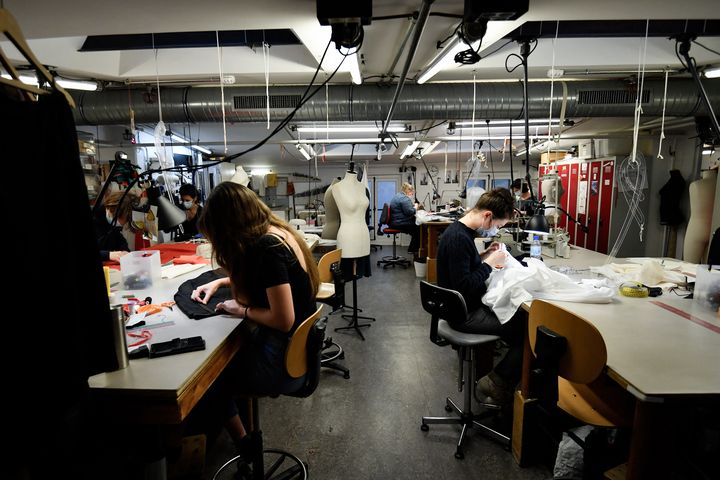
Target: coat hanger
10,28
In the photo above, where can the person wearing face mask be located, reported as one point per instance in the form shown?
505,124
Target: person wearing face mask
522,195
462,268
189,198
109,228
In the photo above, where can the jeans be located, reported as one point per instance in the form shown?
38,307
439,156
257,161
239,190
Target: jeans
483,320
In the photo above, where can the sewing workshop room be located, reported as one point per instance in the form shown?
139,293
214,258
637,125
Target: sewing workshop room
361,240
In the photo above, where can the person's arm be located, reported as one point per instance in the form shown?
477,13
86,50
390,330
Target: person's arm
407,208
468,281
280,316
203,293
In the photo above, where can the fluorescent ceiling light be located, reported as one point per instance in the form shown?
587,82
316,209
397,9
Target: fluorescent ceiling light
444,59
178,138
63,82
708,152
306,150
519,123
410,149
340,141
354,67
201,149
260,171
712,72
358,129
427,147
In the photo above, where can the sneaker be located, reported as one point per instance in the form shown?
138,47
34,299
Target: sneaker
494,389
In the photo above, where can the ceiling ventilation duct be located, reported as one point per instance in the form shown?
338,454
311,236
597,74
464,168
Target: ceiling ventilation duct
449,101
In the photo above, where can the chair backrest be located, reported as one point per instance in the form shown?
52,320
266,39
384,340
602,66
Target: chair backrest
326,262
303,357
384,215
442,303
714,250
585,354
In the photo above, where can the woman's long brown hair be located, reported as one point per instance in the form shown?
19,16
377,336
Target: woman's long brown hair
234,218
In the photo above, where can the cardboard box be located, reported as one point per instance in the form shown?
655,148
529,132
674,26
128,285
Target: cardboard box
549,157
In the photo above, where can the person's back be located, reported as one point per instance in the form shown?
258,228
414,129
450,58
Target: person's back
402,211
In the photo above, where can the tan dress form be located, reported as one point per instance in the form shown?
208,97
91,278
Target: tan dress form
697,234
332,214
353,235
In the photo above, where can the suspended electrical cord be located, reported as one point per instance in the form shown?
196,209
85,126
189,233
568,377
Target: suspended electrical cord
222,90
266,63
552,89
706,48
157,77
492,167
662,125
472,135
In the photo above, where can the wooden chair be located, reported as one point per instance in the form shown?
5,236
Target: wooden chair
302,358
332,293
568,373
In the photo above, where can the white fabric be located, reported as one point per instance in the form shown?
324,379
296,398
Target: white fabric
509,287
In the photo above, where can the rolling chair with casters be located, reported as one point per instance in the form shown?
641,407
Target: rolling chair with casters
444,304
568,379
302,357
385,229
332,293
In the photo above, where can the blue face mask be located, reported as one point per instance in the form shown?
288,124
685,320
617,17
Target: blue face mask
491,232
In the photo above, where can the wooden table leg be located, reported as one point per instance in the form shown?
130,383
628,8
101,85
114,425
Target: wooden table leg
521,434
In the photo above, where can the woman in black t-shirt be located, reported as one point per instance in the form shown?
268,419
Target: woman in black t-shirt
273,278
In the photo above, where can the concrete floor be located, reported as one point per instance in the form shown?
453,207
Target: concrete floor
368,427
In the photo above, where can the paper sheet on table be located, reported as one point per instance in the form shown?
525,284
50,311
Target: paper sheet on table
514,284
172,271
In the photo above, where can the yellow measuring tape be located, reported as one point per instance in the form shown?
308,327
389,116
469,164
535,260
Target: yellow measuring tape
633,290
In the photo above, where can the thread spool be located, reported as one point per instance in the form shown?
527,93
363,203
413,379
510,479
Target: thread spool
633,290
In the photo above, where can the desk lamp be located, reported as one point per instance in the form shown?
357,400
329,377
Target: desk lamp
169,215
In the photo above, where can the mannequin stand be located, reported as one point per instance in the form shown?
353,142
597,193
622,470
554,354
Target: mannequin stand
354,317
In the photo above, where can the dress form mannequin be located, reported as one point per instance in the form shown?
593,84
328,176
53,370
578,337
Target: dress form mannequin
240,176
697,234
332,214
353,235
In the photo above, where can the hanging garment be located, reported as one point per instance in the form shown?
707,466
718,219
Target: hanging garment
670,195
509,287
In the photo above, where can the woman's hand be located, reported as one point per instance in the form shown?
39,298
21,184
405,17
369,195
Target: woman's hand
115,256
496,259
203,293
494,246
231,307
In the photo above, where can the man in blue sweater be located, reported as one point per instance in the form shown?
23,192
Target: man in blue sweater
461,267
402,215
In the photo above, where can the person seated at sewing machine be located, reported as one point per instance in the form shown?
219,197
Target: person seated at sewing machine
402,215
521,192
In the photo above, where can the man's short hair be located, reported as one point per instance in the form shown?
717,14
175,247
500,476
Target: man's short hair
188,189
499,201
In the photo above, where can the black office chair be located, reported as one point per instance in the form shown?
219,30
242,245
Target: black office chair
385,229
302,357
443,305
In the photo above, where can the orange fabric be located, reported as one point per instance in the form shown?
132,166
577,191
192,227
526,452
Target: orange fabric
194,259
171,251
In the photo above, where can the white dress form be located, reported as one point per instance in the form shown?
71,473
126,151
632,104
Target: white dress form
697,234
332,214
240,177
353,235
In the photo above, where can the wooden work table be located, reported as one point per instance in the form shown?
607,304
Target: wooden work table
663,350
429,236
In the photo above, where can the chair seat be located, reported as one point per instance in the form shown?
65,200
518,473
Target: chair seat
463,339
390,231
325,290
602,403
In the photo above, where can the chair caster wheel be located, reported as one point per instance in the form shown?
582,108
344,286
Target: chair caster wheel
448,408
342,356
378,263
459,455
346,376
424,427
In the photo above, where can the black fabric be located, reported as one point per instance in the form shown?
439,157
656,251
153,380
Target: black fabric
714,250
355,267
670,195
197,310
459,266
484,320
51,354
414,232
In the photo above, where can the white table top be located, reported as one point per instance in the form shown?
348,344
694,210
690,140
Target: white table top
651,350
169,375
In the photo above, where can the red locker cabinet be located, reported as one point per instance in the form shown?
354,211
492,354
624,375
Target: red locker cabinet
588,198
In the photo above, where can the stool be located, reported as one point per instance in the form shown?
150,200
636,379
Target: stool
442,302
394,259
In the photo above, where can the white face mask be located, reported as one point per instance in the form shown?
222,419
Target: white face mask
187,205
109,217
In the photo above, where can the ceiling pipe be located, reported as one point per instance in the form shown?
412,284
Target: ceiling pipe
371,102
417,33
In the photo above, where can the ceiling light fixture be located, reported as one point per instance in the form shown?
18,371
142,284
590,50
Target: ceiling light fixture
354,67
86,85
350,129
410,149
177,138
712,72
305,150
507,122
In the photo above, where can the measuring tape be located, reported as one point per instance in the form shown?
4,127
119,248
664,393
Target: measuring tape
633,290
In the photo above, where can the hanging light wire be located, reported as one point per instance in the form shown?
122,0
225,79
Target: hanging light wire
222,90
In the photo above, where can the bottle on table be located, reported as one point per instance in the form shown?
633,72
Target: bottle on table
536,248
